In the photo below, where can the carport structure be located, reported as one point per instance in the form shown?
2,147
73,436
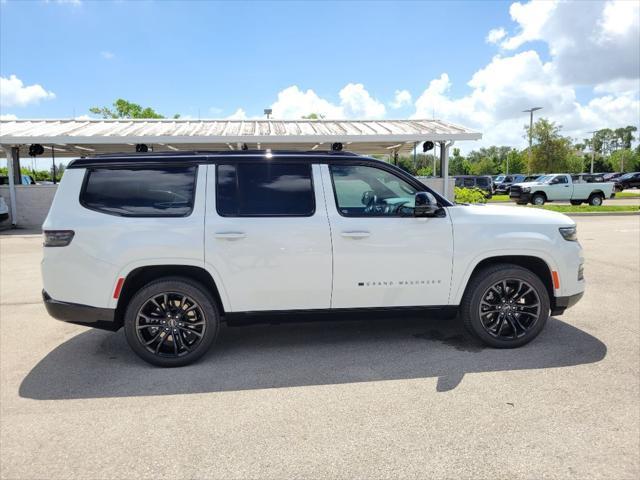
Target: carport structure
85,137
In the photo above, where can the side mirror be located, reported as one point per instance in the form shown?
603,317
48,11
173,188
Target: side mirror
426,205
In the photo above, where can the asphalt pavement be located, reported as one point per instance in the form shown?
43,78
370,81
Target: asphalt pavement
401,397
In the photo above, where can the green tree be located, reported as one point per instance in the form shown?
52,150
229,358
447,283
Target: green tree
622,161
124,109
550,150
484,166
517,162
458,165
575,162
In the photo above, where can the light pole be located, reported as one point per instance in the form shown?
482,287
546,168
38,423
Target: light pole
593,149
530,111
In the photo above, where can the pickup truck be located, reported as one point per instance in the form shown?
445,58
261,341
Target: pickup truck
561,187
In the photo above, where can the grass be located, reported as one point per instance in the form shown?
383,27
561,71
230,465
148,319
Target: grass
589,208
499,198
628,195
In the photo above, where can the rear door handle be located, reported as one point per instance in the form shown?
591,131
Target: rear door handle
230,235
358,234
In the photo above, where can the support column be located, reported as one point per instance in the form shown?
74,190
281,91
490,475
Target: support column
13,172
444,167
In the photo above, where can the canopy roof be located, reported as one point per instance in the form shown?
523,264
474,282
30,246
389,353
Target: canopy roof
75,137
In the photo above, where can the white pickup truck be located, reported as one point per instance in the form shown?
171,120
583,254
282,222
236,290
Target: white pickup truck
561,187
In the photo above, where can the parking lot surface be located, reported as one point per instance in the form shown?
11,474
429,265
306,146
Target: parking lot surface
392,398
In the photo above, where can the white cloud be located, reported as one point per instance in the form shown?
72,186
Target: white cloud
8,116
533,18
507,85
239,114
13,93
402,99
495,35
107,55
295,103
355,102
589,42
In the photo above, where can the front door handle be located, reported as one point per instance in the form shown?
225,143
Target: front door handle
357,234
230,235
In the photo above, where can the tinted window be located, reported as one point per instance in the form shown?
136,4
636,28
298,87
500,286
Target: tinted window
140,192
369,191
265,189
482,181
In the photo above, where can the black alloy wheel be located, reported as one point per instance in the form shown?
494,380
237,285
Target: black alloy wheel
171,322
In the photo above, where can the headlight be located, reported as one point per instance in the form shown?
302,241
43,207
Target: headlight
526,189
569,233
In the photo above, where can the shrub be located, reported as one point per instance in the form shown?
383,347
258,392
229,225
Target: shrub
469,195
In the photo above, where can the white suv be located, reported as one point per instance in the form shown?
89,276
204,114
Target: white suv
170,245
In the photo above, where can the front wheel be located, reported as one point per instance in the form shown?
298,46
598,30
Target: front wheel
505,306
171,322
538,199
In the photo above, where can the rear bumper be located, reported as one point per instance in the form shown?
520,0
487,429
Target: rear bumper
562,303
103,318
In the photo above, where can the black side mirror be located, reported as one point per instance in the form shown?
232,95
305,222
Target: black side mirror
426,205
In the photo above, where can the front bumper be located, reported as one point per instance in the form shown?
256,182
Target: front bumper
102,318
524,197
560,304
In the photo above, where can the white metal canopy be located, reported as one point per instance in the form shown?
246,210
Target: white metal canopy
73,138
85,137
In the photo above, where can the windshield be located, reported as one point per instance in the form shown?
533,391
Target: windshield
626,175
499,178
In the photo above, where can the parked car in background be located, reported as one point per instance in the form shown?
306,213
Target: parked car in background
561,187
505,185
610,177
587,178
169,245
4,210
628,180
481,182
25,180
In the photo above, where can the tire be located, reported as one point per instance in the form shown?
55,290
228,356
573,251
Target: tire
596,200
195,322
576,202
538,199
521,203
482,286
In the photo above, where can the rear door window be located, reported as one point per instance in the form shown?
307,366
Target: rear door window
264,189
140,192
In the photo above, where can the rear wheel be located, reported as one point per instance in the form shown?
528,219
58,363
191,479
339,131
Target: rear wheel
505,306
596,200
538,199
576,202
171,322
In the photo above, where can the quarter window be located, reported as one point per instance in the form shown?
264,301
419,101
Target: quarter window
264,189
140,192
369,191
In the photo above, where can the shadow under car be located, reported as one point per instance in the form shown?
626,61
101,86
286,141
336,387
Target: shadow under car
96,364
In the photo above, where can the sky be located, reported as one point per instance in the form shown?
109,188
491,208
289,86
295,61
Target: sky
478,64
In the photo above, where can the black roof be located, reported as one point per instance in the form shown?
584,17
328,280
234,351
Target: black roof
188,157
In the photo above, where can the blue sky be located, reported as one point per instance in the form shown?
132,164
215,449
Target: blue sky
217,57
475,63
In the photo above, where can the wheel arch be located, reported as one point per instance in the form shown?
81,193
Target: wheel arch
539,192
537,265
141,276
597,192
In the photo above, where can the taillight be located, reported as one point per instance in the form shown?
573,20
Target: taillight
58,238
